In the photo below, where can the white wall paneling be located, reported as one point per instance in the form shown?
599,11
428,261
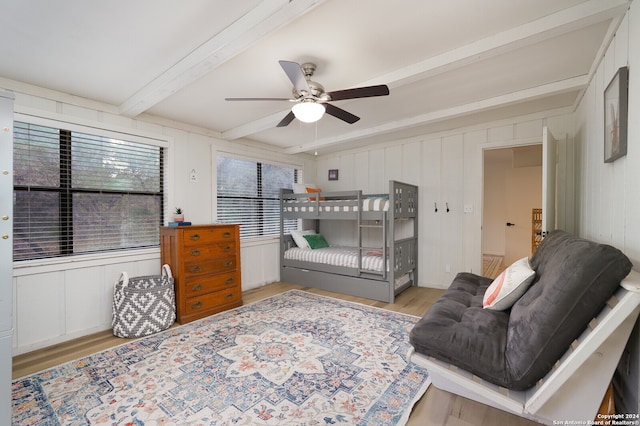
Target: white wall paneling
448,169
631,178
431,238
472,222
61,299
451,206
6,253
606,199
58,301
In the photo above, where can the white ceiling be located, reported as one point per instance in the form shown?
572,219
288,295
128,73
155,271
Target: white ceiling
447,63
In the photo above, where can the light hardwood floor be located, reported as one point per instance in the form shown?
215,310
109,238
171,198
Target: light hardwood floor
435,408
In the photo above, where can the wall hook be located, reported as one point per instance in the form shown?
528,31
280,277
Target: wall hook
436,206
447,204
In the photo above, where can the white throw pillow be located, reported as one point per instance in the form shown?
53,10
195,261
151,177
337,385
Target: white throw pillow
509,286
300,188
298,237
303,188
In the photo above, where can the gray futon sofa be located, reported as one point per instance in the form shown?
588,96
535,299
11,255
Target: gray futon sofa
514,348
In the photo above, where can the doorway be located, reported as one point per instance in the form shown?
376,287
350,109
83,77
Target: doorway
512,188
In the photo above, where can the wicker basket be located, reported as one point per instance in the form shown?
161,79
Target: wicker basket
143,305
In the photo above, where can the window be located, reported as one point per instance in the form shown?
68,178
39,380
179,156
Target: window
79,193
249,194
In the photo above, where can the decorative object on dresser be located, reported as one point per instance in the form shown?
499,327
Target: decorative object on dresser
178,215
205,260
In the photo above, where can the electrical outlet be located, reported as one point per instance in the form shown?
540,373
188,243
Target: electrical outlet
468,208
447,268
193,177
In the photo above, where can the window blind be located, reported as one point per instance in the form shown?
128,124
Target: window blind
79,193
248,193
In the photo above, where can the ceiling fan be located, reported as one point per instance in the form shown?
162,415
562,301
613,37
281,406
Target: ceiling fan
311,100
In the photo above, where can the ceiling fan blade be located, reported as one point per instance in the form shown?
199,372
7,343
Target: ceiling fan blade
286,120
360,92
296,75
257,99
341,114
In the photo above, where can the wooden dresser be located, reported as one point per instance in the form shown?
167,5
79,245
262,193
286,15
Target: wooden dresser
205,262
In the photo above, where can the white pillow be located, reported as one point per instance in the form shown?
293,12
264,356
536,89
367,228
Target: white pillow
509,286
301,188
298,237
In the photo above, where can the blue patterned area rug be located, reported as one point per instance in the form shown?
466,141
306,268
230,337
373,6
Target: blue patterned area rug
293,359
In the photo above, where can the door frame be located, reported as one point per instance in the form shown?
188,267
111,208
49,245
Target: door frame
507,143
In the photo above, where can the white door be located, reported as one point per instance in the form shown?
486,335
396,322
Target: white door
549,165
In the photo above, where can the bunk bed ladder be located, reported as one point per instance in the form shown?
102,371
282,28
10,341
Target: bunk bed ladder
361,247
383,249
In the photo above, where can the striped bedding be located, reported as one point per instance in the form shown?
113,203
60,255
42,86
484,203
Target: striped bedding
336,256
368,205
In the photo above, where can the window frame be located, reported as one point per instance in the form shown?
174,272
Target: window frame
90,128
298,177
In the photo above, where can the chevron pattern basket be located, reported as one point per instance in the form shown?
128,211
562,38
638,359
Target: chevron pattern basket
143,305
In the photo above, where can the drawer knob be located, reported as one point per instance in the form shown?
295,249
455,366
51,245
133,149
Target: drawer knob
226,234
228,263
226,248
195,253
194,237
196,287
196,305
229,280
194,268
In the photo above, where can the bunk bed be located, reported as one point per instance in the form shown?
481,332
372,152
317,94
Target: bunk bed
379,271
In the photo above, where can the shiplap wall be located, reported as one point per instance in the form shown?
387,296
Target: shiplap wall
608,195
60,299
448,168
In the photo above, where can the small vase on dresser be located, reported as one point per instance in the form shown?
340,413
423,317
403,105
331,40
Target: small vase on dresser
205,261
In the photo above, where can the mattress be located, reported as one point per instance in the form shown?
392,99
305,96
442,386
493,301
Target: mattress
368,205
337,256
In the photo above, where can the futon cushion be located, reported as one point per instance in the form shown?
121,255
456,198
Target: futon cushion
575,278
457,329
517,347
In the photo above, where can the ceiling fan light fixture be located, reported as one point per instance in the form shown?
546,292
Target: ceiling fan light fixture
308,112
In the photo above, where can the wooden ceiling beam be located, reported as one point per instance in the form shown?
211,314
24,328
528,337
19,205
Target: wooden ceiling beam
554,25
262,20
556,88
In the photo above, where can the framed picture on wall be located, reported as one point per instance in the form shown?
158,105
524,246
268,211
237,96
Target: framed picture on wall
616,97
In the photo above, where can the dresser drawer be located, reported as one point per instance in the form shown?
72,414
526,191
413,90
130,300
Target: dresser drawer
210,266
204,236
212,300
210,250
206,284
